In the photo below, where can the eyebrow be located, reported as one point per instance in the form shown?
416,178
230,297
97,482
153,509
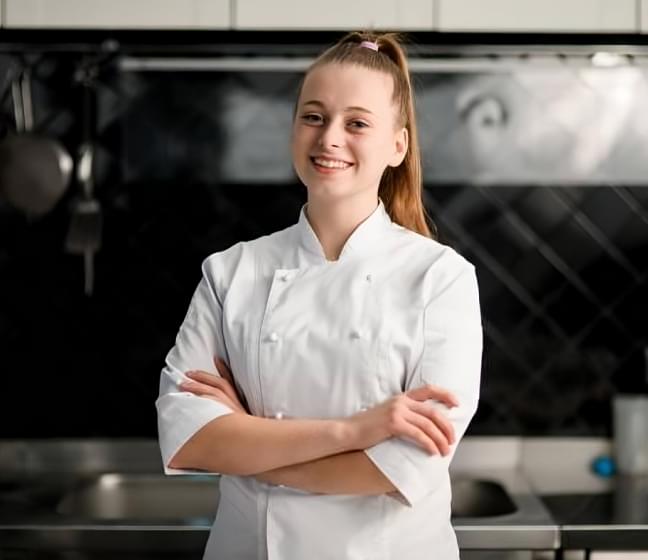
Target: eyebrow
353,108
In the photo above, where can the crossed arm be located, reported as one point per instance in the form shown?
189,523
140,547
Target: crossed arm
345,473
248,438
319,456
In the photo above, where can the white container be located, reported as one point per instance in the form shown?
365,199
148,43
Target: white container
630,427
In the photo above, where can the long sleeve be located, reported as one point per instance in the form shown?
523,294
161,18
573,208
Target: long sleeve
451,358
200,338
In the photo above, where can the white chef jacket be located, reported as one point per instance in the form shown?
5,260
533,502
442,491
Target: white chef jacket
310,338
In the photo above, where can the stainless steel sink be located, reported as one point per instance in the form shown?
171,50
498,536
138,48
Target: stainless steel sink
480,498
158,497
141,496
111,495
496,509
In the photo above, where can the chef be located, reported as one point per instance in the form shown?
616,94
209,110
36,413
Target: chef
327,371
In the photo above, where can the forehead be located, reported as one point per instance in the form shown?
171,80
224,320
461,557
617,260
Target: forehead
347,85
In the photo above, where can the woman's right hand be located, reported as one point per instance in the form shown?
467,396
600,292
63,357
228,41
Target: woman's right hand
407,415
220,388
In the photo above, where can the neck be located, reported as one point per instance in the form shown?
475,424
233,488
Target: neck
334,221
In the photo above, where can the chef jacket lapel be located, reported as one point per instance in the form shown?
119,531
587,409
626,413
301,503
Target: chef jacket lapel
362,241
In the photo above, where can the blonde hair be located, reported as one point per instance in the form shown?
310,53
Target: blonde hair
400,187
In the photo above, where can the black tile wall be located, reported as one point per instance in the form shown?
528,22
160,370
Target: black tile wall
563,304
537,175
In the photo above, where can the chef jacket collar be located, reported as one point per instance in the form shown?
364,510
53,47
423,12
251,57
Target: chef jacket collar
363,239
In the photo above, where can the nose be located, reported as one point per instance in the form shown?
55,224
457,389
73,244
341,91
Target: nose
331,135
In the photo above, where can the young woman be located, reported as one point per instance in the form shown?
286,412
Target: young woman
347,348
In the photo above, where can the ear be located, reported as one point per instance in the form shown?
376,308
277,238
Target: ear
401,143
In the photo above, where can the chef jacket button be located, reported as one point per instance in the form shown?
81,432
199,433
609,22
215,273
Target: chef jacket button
285,277
279,415
273,337
368,277
356,334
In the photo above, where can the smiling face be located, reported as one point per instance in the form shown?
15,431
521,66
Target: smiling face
346,131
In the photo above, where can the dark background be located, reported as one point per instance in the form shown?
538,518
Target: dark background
535,175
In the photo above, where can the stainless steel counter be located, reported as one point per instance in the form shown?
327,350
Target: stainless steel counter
112,495
527,525
615,519
175,513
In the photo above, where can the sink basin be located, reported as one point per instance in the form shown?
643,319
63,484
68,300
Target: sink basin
137,496
480,498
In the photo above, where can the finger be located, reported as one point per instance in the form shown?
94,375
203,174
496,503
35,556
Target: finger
222,368
436,416
216,395
226,372
210,392
215,381
224,399
430,430
428,391
206,378
417,435
200,389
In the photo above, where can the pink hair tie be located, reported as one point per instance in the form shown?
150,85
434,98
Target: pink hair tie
370,45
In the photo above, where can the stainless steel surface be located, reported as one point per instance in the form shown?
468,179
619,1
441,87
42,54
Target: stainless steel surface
506,514
64,512
25,458
480,498
112,495
616,519
501,63
35,170
151,497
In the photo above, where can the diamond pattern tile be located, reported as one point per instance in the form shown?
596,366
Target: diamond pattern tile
555,299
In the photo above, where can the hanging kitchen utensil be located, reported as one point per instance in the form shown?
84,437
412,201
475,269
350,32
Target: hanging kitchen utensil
84,233
35,170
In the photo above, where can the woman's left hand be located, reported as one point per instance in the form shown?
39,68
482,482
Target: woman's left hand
219,388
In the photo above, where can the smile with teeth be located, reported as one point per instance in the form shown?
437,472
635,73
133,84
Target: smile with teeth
331,163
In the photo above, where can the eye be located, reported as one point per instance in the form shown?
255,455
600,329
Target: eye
358,124
312,118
